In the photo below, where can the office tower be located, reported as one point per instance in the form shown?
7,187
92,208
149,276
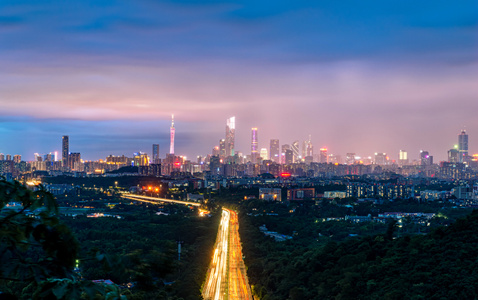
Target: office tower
8,157
295,150
172,130
2,156
254,146
425,158
264,154
65,151
454,155
156,154
289,157
17,158
48,157
222,149
307,148
274,150
350,158
323,156
402,158
216,151
230,136
463,145
380,158
74,161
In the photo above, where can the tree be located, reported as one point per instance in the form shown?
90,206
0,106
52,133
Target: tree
38,253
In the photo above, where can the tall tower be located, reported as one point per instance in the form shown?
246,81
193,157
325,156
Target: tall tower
295,151
155,153
65,150
274,150
230,136
171,145
463,145
254,146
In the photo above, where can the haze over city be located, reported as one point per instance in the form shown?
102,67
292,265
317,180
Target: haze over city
359,77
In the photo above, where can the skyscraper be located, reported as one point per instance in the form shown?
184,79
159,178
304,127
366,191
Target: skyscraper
222,149
295,150
323,157
425,158
156,153
463,145
264,154
380,158
65,150
274,150
403,158
171,145
254,146
230,136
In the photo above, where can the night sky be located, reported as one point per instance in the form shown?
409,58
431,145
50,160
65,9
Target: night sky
358,76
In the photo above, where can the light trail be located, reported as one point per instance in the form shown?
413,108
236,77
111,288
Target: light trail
226,277
155,200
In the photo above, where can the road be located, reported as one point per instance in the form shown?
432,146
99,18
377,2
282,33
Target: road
226,277
156,200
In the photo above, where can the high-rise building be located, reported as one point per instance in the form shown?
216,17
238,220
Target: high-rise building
8,157
74,160
2,156
289,157
323,156
216,151
230,136
454,156
264,154
222,149
402,158
425,158
254,146
172,131
350,158
156,159
463,145
307,148
380,158
17,158
295,150
274,151
65,150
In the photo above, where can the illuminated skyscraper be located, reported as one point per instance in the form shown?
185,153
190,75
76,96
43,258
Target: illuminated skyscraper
274,151
230,136
155,153
308,148
65,149
380,158
323,156
254,146
222,148
171,145
264,154
425,158
463,145
295,150
403,158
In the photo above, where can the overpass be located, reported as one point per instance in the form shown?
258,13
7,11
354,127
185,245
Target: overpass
156,200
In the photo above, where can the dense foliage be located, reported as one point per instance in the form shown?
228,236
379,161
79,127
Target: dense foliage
439,265
142,250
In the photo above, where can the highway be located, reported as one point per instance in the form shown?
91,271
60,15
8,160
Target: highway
156,200
226,277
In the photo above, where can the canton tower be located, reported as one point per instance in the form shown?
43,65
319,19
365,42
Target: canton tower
171,146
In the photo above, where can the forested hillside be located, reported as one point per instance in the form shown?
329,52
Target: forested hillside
439,265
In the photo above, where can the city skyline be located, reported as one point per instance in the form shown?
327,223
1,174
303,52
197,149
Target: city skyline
359,77
254,143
